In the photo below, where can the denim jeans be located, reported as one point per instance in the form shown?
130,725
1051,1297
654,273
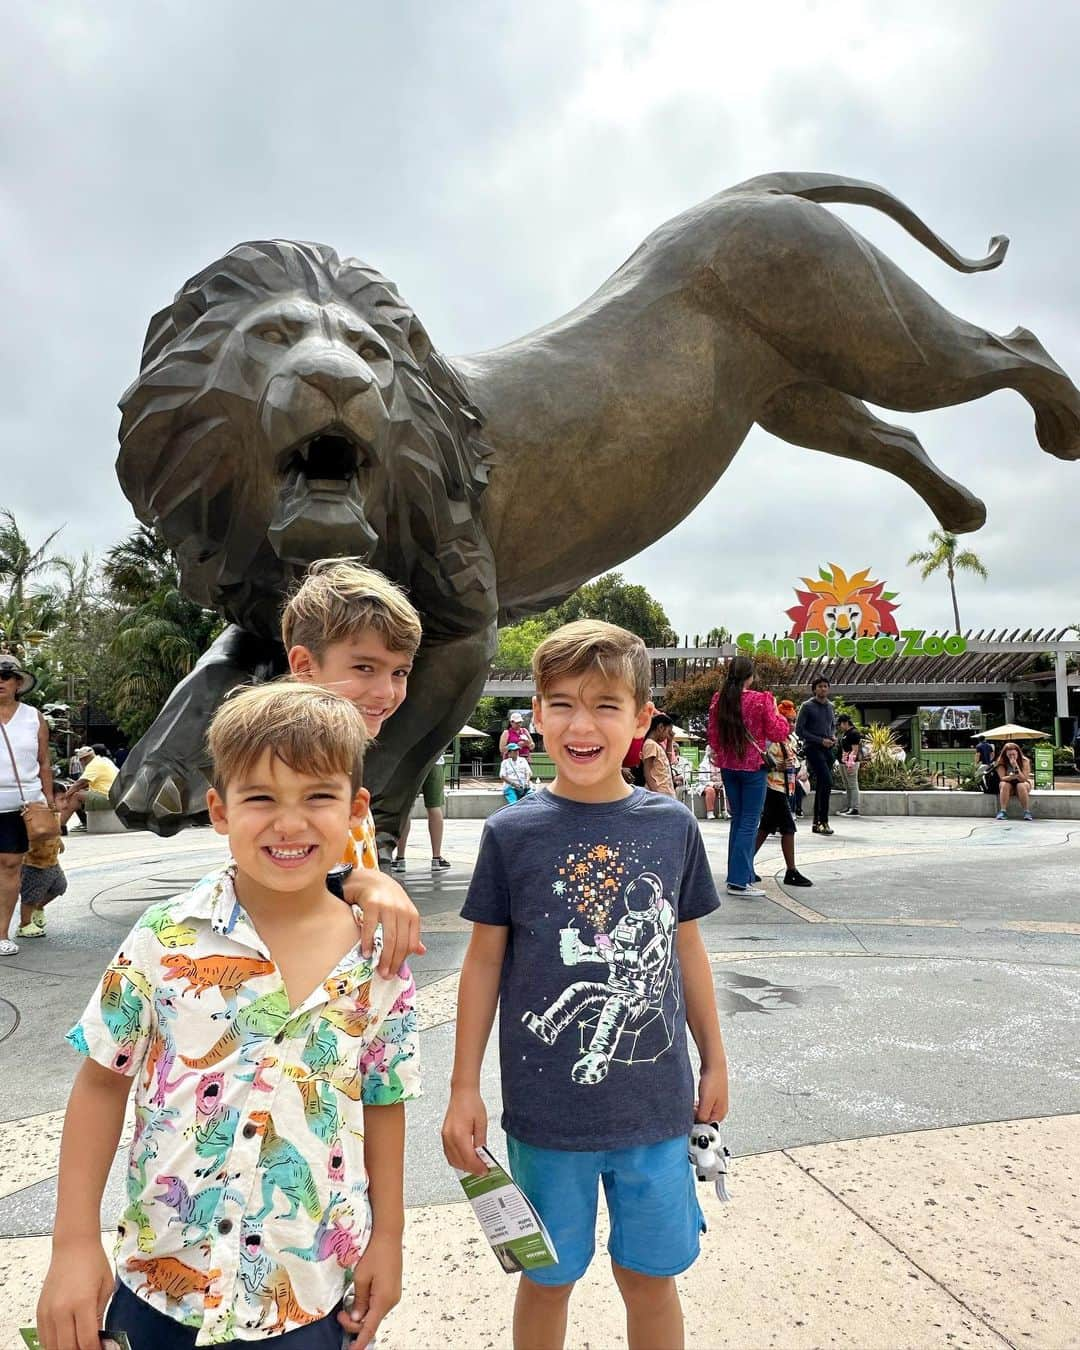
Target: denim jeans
819,762
745,790
149,1329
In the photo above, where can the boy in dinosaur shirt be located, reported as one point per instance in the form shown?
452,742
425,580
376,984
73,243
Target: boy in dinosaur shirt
270,1063
352,630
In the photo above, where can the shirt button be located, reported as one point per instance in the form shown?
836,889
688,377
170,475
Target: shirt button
225,1227
248,1131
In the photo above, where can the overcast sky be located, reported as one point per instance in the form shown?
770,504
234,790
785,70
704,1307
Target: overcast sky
498,160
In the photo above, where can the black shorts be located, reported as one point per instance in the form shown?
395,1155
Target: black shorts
776,817
13,833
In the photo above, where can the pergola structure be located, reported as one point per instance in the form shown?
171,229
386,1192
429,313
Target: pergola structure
1000,664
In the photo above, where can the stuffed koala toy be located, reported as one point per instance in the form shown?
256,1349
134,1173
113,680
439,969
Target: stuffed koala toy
708,1156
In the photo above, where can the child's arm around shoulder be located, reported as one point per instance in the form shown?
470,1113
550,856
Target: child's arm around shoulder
704,1022
465,1126
79,1282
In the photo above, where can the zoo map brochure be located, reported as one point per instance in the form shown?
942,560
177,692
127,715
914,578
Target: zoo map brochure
515,1230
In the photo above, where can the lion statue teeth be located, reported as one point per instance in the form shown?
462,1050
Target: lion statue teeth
290,406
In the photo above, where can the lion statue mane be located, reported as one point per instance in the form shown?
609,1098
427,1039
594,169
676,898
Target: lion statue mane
257,441
290,406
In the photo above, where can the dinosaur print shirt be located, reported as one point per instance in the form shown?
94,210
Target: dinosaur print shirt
247,1194
362,849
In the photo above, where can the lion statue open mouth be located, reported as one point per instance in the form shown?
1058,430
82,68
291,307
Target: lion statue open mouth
290,406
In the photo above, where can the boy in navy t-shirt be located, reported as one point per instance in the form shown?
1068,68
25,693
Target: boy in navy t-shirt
584,904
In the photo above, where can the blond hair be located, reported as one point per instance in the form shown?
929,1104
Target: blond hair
308,728
339,598
590,646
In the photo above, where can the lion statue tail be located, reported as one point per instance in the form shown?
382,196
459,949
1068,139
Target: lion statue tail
827,187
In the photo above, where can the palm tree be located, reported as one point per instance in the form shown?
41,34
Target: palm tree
154,647
29,607
140,565
20,564
942,553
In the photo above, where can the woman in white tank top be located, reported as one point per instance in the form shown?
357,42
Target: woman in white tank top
25,730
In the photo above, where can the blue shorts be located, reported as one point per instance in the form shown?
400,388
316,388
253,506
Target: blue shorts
656,1221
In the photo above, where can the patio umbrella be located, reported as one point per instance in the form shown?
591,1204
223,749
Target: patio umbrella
1011,732
681,735
468,731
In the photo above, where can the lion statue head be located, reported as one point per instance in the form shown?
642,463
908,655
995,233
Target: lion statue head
290,407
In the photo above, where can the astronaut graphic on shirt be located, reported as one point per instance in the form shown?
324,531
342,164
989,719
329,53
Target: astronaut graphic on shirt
638,954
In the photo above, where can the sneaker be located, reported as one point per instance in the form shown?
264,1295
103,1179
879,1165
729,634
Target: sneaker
755,877
849,813
29,930
8,948
796,878
1028,815
1000,815
826,829
751,891
398,865
439,864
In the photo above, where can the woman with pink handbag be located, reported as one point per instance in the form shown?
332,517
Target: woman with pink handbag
26,785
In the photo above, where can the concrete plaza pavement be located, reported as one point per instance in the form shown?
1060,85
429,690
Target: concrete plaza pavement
905,1092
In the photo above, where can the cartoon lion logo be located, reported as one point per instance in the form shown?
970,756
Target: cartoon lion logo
290,407
842,606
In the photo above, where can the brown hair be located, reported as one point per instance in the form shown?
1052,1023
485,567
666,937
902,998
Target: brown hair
1021,758
728,725
308,728
340,598
590,646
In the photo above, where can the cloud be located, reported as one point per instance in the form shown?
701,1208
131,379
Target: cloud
499,162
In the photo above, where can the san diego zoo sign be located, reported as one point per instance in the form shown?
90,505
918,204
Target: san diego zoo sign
849,618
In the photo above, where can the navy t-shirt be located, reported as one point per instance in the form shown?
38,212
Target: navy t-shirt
592,1019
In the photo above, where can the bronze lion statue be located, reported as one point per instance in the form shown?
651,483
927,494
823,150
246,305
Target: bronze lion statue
290,406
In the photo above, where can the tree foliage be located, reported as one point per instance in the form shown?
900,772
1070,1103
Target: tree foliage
617,601
518,642
609,597
118,635
155,646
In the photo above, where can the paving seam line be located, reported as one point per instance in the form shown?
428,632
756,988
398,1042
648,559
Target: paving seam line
905,1256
